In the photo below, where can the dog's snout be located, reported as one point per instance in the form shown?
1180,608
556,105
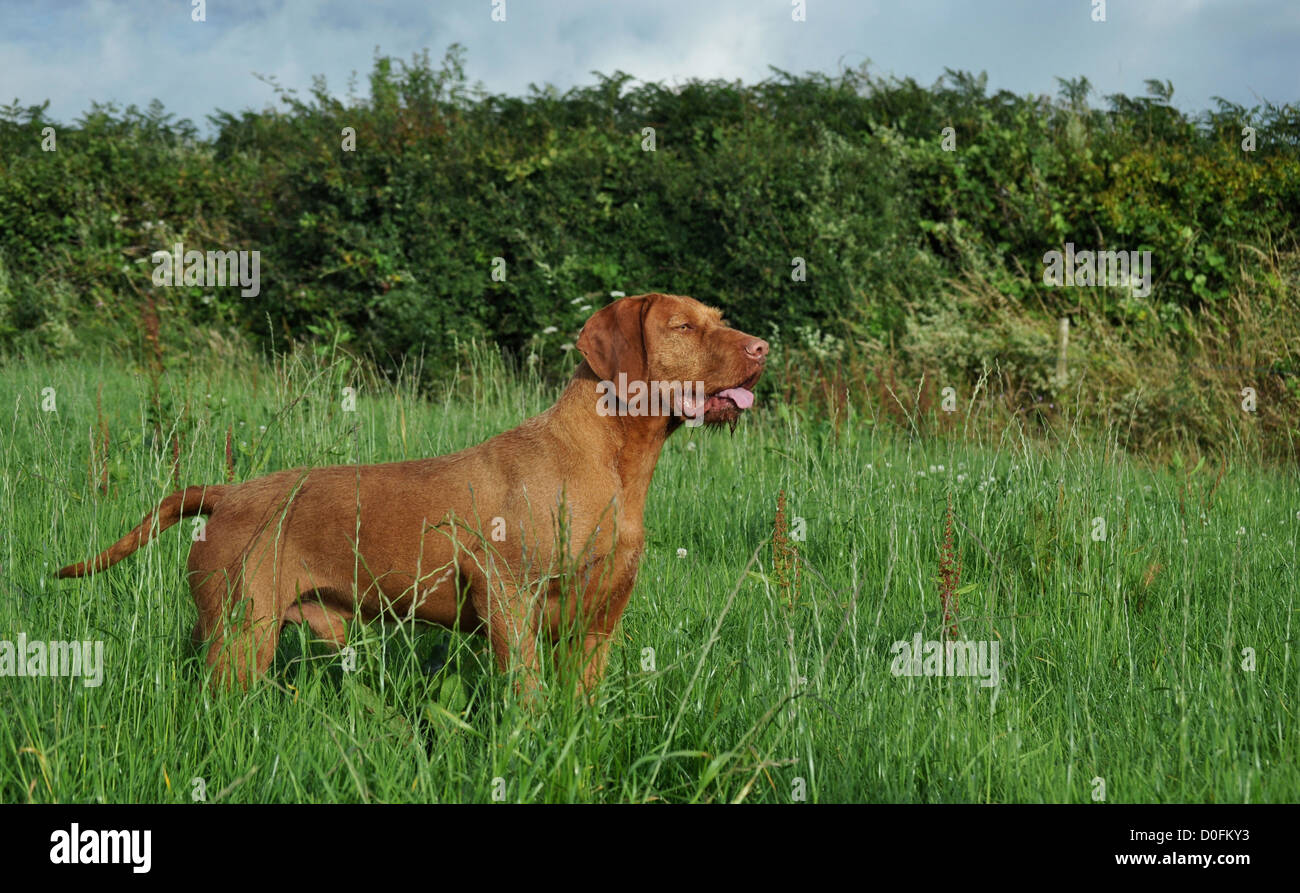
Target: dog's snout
756,348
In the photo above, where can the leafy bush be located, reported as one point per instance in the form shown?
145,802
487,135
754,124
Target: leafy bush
389,249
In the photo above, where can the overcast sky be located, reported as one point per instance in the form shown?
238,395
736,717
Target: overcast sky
132,51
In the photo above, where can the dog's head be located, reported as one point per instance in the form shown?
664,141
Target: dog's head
702,369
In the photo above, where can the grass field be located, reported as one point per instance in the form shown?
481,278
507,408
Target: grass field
1152,661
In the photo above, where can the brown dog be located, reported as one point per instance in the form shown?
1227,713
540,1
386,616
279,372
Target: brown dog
536,531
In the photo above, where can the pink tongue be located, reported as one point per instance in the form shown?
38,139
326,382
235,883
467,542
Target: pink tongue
739,396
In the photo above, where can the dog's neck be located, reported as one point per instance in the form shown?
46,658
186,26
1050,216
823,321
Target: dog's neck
631,443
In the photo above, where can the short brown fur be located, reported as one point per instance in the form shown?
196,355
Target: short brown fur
414,540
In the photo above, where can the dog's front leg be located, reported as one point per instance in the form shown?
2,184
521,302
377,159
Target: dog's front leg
512,626
600,629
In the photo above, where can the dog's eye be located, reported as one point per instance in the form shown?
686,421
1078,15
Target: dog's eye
684,327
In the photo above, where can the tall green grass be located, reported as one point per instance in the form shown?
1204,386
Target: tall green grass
1121,658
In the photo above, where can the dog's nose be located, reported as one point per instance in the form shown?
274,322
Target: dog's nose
756,349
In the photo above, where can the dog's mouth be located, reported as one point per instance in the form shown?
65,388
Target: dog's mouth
722,406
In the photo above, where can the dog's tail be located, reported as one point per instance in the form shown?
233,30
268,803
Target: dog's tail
181,504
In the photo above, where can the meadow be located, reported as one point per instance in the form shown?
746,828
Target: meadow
1144,611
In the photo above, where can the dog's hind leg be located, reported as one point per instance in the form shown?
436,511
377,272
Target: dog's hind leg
209,589
329,624
242,631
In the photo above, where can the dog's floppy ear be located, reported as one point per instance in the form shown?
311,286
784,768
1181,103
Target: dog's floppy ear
613,340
